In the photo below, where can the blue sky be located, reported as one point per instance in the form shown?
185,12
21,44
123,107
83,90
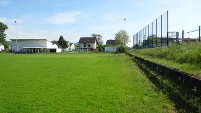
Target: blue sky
80,18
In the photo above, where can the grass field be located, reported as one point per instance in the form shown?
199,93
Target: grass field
86,83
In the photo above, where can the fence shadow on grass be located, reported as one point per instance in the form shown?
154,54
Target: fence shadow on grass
186,99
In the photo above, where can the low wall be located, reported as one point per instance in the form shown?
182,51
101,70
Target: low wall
110,49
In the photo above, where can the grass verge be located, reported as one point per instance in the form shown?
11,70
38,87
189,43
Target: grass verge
183,57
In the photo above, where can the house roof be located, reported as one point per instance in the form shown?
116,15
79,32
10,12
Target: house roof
88,40
110,42
28,39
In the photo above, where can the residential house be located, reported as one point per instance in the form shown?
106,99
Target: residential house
110,46
33,46
71,47
88,43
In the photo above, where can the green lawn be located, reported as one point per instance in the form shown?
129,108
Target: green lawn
86,83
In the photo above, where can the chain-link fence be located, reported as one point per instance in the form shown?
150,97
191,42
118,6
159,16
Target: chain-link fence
154,34
191,35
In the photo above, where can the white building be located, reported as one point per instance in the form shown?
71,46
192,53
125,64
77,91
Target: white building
71,47
86,41
33,46
1,47
110,46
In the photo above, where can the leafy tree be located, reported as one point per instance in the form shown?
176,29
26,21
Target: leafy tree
89,45
78,45
101,47
62,42
99,38
121,38
3,27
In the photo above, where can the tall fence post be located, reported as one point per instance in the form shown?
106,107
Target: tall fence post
148,36
156,35
182,36
167,29
133,41
152,28
199,33
161,30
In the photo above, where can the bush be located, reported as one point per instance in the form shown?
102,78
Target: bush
122,49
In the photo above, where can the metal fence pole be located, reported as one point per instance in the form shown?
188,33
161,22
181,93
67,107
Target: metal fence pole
133,41
167,28
145,36
152,34
161,30
182,35
156,35
148,37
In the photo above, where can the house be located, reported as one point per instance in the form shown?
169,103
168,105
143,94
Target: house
71,47
88,43
1,47
110,46
110,42
33,46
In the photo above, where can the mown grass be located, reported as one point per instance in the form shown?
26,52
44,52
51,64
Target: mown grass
184,57
94,82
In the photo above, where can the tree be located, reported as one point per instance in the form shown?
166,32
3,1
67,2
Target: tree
3,27
121,38
99,38
62,42
89,45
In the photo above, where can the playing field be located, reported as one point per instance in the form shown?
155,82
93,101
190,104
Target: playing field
70,82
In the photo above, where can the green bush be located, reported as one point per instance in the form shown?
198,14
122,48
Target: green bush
122,49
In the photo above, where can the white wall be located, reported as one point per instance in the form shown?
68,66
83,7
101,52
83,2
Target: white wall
93,45
27,43
51,45
110,49
1,47
58,50
31,43
72,47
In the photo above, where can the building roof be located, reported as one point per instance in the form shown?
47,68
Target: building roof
110,42
88,40
28,39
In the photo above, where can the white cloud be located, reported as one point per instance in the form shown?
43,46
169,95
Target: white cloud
64,18
4,2
110,16
10,20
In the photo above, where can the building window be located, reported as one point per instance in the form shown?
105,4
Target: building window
85,45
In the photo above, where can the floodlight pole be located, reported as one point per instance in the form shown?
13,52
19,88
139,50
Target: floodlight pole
125,23
16,37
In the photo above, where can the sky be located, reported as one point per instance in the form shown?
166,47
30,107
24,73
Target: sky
73,19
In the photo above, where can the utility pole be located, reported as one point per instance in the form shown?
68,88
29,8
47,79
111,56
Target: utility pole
125,23
16,37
